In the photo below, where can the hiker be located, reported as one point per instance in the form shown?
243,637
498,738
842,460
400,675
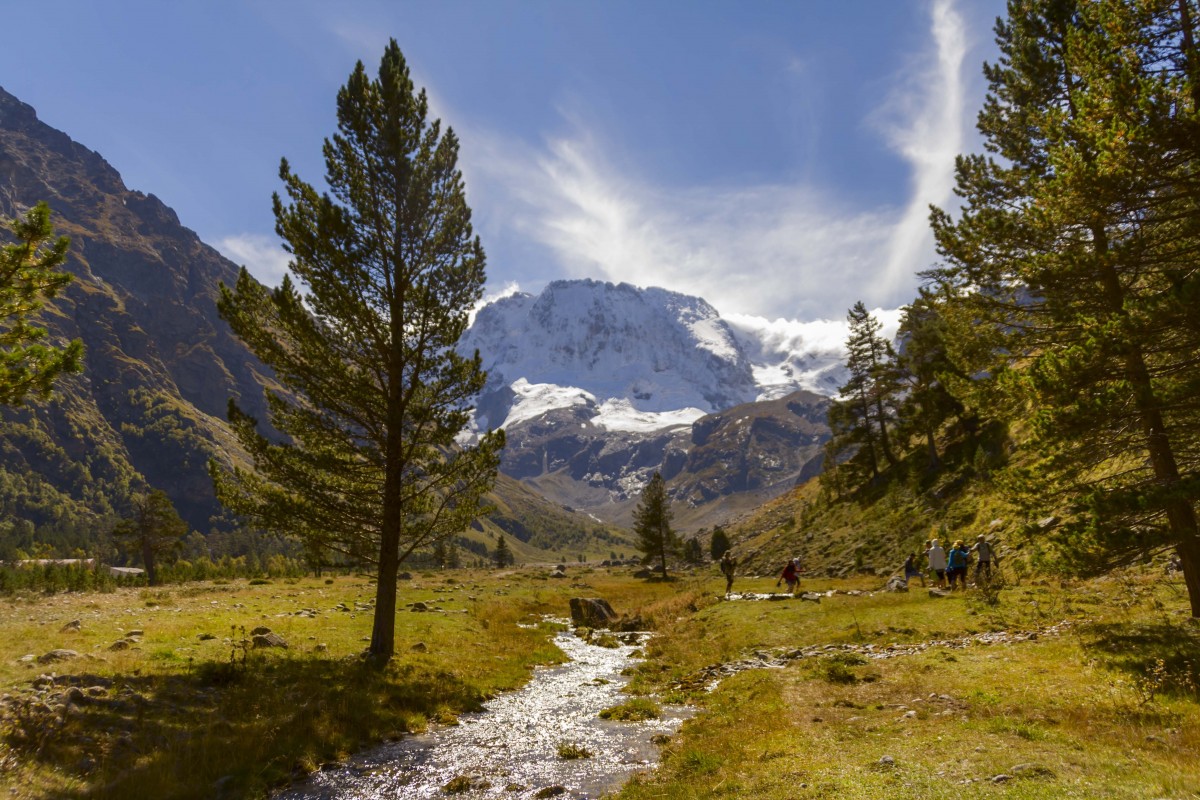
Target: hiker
791,574
910,569
956,561
728,563
937,560
986,553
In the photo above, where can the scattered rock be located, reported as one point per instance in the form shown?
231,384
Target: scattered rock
811,597
418,606
27,658
643,573
73,625
321,648
1031,771
131,634
57,655
119,644
261,630
75,696
896,584
592,612
887,761
204,637
1046,523
938,593
420,647
1001,778
268,640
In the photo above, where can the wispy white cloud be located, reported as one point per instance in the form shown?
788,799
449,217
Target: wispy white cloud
259,254
780,249
925,122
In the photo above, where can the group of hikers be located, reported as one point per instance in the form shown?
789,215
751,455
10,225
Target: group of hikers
790,574
944,566
950,566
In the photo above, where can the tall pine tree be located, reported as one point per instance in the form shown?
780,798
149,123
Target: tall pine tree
1078,244
862,416
386,269
652,525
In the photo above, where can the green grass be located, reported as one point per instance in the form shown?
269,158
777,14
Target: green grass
1107,709
182,713
638,709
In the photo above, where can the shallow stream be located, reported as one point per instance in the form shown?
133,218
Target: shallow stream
510,749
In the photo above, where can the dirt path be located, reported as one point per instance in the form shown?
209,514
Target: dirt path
779,657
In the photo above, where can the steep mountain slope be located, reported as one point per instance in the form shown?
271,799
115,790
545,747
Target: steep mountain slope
160,365
149,408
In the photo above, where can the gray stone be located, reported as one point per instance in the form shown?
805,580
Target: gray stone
1001,778
73,625
896,584
938,593
269,640
57,655
811,597
420,647
261,630
591,612
1031,771
1046,523
138,632
119,644
887,761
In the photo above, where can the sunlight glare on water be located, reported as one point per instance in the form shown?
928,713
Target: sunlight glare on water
511,749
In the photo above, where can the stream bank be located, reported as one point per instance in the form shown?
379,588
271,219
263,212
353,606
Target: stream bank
512,748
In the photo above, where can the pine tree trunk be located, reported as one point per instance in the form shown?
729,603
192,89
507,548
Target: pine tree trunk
383,628
935,460
1189,556
148,560
884,443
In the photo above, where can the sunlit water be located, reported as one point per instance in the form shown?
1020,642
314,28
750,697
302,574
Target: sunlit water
511,749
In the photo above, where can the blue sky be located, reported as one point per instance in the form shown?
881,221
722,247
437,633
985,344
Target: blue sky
776,158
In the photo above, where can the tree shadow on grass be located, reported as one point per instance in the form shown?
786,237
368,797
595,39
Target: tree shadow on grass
1164,657
217,731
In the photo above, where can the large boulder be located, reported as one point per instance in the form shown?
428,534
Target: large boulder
591,612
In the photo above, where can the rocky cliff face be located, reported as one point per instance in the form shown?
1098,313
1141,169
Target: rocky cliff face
160,364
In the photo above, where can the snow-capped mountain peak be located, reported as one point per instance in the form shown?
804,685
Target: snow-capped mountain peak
634,359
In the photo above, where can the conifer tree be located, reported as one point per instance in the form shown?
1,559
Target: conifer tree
154,529
29,275
503,556
652,525
362,334
923,365
862,415
719,543
1078,244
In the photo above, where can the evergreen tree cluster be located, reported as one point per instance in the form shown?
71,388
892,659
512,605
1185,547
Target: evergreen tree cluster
1067,297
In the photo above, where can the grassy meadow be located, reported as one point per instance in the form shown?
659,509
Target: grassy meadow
1108,707
1101,703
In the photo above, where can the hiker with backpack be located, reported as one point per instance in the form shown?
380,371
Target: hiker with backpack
790,574
728,564
956,564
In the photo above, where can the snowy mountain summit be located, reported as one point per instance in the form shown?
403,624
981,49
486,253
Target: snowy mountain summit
632,359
